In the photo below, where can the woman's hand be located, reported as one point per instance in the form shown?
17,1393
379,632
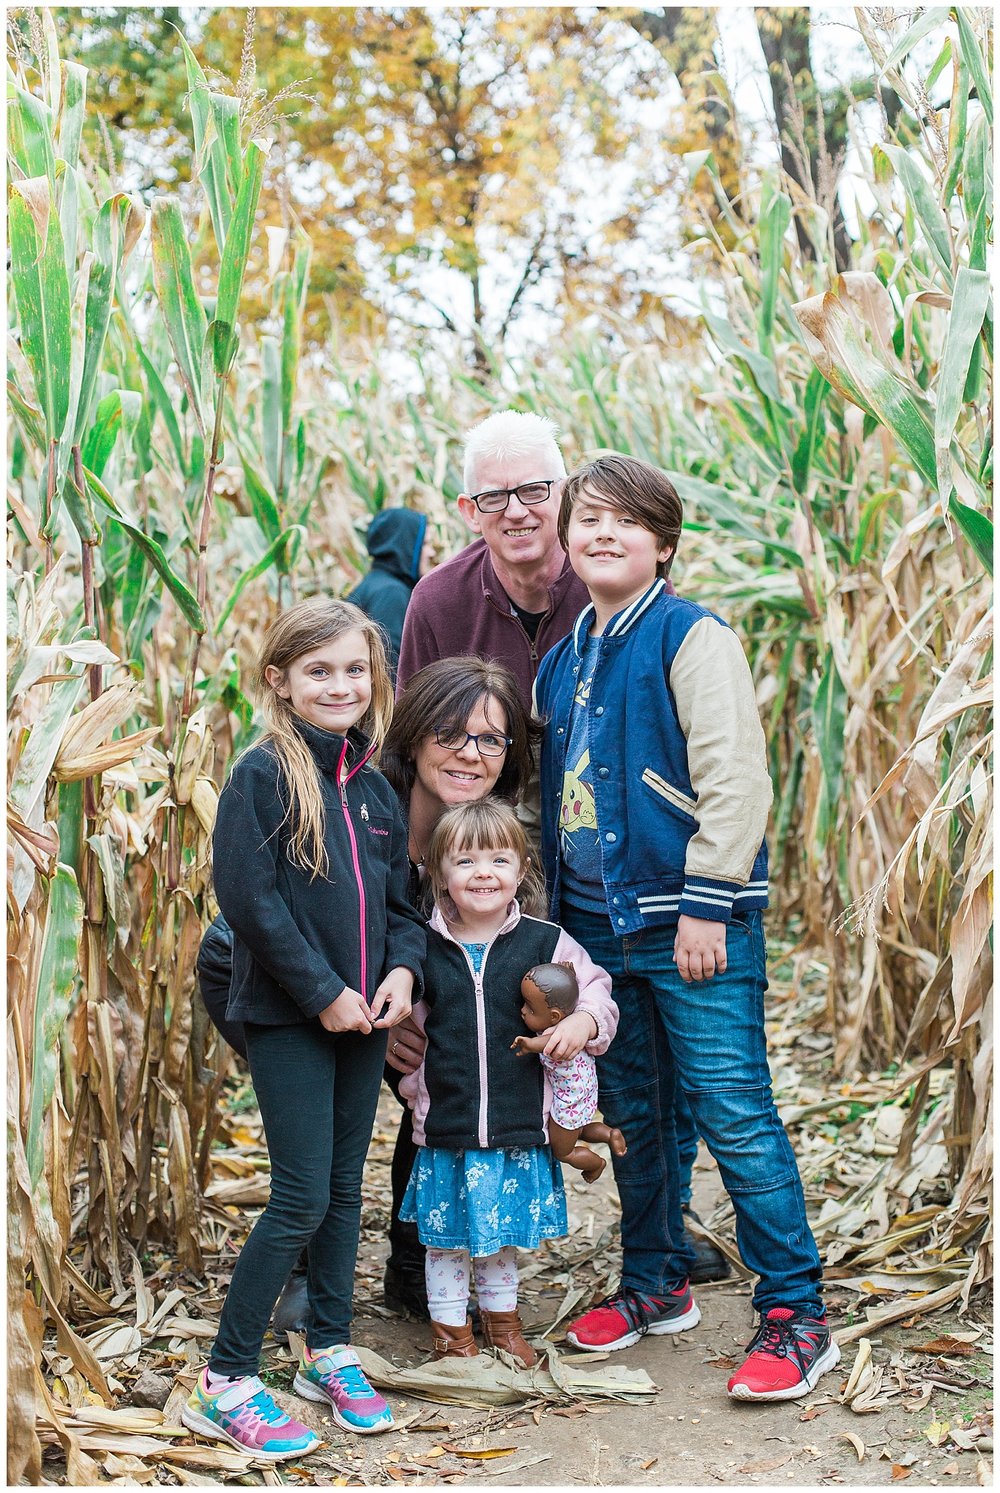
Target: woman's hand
392,1000
571,1036
406,1047
348,1013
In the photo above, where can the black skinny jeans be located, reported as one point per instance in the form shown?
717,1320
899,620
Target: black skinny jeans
317,1093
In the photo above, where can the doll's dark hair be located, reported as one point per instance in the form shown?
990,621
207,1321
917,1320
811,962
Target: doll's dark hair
558,984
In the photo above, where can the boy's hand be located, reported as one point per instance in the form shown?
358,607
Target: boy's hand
392,1000
348,1013
699,948
571,1036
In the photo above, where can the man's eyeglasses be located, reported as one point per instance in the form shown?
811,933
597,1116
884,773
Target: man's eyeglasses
488,743
528,493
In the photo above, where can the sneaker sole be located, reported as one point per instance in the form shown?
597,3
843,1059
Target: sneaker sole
683,1323
205,1427
310,1391
829,1360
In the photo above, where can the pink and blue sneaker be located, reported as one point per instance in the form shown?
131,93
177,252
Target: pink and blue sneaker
244,1414
335,1377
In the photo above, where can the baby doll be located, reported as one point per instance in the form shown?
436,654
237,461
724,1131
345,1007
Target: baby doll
550,992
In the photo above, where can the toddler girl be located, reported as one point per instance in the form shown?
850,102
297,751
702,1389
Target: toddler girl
485,1182
311,874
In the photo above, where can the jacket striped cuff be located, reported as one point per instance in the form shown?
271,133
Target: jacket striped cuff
711,900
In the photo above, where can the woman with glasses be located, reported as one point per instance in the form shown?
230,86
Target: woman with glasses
459,731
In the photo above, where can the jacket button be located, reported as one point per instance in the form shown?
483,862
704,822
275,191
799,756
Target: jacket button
560,731
621,922
602,772
616,901
611,837
599,710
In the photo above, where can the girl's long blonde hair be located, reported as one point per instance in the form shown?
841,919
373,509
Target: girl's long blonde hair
487,824
295,632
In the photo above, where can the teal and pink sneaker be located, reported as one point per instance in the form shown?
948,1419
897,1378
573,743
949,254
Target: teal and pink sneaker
335,1377
245,1415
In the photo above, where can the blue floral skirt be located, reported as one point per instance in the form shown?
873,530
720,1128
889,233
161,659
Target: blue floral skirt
483,1200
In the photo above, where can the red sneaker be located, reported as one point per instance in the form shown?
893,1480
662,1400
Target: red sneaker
626,1316
786,1358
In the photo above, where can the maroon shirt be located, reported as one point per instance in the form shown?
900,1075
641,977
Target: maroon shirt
461,608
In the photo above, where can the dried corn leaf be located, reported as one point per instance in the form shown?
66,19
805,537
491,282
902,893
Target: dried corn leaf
486,1381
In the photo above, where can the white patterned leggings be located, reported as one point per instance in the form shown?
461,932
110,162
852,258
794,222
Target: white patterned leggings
448,1275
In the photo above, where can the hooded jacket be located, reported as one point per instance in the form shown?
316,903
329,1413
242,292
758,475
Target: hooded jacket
299,942
395,539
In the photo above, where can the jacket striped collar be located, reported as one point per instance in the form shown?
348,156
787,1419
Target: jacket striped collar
621,621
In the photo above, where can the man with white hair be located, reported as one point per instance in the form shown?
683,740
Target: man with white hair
511,594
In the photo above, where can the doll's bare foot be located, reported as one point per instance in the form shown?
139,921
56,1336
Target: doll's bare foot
617,1142
594,1168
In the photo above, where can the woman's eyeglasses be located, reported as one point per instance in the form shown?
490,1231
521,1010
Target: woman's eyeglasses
488,743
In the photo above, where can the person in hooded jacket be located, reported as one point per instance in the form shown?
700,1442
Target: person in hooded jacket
401,552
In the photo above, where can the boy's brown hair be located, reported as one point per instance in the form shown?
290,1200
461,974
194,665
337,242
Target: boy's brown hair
633,486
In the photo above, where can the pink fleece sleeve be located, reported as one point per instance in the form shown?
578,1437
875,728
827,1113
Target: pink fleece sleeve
595,991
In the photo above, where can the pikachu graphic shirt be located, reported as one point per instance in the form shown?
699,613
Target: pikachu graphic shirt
580,849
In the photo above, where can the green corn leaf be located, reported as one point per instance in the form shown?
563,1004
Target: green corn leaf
103,433
802,460
957,116
930,20
829,712
925,207
941,62
774,221
164,404
977,528
117,226
35,762
978,191
41,287
182,594
179,304
235,256
969,305
973,59
275,555
29,135
210,151
270,407
262,502
226,114
78,335
74,105
58,973
29,416
835,342
67,191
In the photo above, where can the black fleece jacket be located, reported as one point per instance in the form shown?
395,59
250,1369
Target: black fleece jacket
299,943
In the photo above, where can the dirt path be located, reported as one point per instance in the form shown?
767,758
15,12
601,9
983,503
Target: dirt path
691,1434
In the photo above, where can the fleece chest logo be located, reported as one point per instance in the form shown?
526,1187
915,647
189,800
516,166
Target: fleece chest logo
364,812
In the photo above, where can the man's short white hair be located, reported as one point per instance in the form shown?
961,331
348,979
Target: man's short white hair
509,435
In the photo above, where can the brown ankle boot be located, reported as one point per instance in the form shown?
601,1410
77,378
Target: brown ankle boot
504,1330
453,1342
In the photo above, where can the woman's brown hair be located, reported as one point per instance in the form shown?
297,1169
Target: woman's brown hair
295,632
487,824
444,694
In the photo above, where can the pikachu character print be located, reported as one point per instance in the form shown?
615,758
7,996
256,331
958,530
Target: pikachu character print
578,810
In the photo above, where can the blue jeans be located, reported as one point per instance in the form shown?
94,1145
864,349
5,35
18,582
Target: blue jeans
687,1145
705,1039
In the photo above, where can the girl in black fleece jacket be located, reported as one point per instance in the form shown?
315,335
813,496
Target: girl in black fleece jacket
311,873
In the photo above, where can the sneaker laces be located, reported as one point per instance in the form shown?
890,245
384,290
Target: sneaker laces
776,1337
353,1382
633,1305
266,1409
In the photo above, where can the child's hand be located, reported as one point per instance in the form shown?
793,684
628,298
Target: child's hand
571,1036
348,1013
699,948
392,1000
